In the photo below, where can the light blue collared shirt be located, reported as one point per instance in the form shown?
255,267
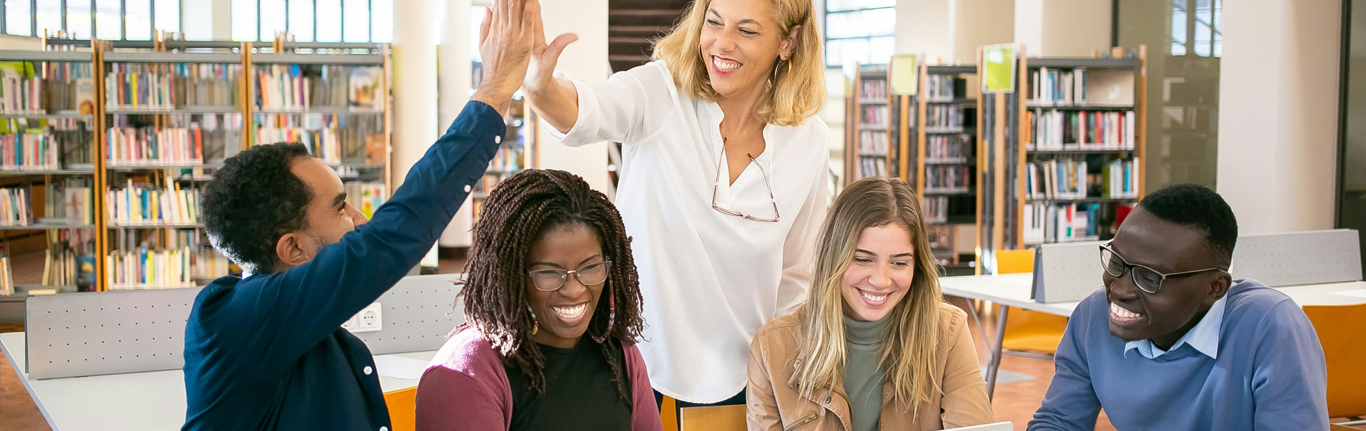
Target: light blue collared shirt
1204,337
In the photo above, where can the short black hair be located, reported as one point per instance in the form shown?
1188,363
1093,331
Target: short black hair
253,201
1199,207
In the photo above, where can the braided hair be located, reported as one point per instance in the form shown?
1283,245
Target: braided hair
515,214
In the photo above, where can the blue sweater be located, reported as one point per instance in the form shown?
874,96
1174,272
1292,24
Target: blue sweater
268,353
1269,374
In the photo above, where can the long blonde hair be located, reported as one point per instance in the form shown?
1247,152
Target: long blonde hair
796,87
911,338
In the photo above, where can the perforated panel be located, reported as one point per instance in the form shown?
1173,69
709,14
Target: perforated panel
1290,259
1067,272
415,315
91,334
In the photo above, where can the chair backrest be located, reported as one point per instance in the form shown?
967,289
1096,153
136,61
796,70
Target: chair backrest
713,418
1014,261
402,409
1340,328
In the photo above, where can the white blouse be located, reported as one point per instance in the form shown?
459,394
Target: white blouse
709,280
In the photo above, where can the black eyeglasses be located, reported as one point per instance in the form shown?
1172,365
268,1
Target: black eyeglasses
728,212
550,280
1147,279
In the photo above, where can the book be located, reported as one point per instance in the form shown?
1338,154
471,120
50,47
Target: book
14,207
365,88
366,197
149,146
145,205
146,268
6,276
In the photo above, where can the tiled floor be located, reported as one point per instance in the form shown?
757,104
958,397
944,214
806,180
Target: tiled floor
1014,402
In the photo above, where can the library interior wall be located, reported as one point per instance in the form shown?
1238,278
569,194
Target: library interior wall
1279,103
453,89
414,113
979,22
585,59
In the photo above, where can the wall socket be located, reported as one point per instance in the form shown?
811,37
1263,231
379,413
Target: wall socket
369,319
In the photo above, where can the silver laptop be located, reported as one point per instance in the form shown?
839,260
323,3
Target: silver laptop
999,426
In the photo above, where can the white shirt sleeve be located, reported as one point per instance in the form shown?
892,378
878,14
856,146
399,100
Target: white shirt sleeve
799,249
628,107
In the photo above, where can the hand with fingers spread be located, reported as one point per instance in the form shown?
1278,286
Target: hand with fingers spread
506,41
541,73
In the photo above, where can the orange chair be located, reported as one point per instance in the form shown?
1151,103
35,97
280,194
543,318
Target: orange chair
667,414
1340,328
713,418
1028,330
402,409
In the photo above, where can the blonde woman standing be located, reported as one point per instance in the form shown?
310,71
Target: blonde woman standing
874,347
723,182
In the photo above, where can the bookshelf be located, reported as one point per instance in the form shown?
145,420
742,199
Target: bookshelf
517,151
137,129
946,162
1060,157
874,123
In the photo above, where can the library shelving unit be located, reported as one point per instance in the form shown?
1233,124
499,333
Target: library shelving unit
1060,156
872,122
130,132
1083,132
518,150
48,170
946,162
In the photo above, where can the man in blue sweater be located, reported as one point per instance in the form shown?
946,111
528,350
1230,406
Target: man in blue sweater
267,352
1174,343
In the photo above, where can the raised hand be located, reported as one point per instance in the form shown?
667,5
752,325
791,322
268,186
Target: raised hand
506,40
541,74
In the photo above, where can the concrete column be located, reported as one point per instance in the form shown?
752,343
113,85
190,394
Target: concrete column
1278,99
414,83
222,19
585,59
195,14
1062,28
453,91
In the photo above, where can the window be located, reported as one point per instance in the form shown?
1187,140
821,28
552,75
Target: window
110,19
314,20
859,31
1196,28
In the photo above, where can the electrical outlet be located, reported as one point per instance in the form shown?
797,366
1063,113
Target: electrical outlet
369,319
350,324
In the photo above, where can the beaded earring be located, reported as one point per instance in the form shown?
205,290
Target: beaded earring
535,324
611,316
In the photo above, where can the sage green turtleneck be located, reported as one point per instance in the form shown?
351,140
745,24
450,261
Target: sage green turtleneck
862,376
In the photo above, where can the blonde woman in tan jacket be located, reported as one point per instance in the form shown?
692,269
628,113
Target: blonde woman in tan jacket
874,347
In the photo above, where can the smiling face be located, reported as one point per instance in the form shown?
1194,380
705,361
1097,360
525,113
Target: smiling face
880,274
740,43
1181,301
564,314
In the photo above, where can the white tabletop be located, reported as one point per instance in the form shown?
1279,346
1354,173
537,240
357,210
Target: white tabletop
1014,290
151,401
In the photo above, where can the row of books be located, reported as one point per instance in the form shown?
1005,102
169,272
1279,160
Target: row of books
872,167
948,147
1055,86
138,86
68,261
873,89
487,183
43,144
70,200
144,205
1069,178
1047,223
358,136
873,143
935,209
943,87
21,90
295,87
323,144
206,263
1057,130
205,84
70,87
948,178
149,146
507,160
943,117
33,150
875,117
15,207
366,197
150,269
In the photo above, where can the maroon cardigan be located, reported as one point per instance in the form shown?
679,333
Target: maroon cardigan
466,388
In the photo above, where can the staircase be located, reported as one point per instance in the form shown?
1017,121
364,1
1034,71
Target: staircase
634,25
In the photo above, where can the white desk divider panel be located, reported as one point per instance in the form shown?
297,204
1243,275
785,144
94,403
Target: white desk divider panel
1066,272
1298,258
99,333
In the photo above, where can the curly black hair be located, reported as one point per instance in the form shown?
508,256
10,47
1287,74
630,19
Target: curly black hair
1199,207
253,201
515,215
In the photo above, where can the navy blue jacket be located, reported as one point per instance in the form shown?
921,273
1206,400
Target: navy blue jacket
268,353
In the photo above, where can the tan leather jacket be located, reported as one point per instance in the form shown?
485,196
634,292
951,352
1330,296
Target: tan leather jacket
773,404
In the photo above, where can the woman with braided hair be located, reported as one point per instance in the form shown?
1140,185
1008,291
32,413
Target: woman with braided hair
550,263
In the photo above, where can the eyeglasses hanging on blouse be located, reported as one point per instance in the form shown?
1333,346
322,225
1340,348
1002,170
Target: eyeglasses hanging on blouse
717,185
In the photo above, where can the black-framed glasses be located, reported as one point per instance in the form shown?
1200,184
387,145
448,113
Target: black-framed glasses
550,280
1147,279
717,185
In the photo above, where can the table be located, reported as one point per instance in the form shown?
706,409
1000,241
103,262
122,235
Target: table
149,401
1013,290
